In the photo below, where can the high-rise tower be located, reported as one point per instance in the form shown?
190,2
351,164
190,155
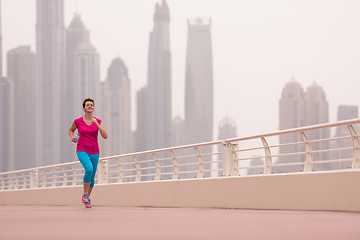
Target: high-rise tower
292,115
87,75
21,71
299,109
50,81
317,112
76,34
199,84
83,76
140,139
7,121
117,115
1,73
158,110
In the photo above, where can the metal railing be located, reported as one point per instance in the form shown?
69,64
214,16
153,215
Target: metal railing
229,157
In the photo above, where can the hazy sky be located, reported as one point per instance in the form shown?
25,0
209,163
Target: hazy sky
258,46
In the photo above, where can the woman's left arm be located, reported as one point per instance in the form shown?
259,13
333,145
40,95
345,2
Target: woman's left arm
101,128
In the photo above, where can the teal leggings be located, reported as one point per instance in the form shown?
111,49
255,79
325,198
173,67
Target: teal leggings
90,163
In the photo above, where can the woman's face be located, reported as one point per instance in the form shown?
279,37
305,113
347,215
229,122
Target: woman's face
89,107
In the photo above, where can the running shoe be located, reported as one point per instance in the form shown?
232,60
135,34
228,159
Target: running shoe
85,198
88,204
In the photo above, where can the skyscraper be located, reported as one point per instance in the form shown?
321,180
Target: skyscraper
140,135
227,128
292,115
7,123
50,81
158,109
316,112
199,84
299,109
21,71
7,120
117,115
87,75
1,73
83,76
76,34
178,131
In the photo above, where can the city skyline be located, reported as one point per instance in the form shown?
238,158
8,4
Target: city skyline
258,47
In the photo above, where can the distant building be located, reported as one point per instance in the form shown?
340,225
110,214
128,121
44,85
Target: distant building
292,115
7,123
116,107
76,34
87,77
83,77
7,119
178,133
345,112
50,88
1,72
21,71
227,128
199,84
259,164
140,135
299,109
317,112
158,93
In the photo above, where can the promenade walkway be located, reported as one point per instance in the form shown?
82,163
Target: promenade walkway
106,223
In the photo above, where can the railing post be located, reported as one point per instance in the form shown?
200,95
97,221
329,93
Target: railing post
2,183
356,144
64,176
34,178
16,181
268,159
200,162
308,153
230,164
11,181
157,167
24,181
53,184
176,167
138,169
103,172
121,177
44,179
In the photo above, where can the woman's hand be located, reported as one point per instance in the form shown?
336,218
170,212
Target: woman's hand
95,121
74,139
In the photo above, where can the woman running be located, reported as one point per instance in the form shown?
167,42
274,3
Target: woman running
87,148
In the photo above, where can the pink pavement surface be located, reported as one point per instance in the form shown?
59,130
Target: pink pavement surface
103,223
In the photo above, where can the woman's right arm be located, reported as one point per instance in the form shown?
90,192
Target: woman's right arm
72,132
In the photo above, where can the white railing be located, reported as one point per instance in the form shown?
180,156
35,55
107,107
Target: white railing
259,154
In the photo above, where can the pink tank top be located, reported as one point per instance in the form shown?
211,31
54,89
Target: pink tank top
88,135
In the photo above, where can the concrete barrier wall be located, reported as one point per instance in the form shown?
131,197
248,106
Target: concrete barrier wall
334,191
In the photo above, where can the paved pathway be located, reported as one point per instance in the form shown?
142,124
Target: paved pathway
106,223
